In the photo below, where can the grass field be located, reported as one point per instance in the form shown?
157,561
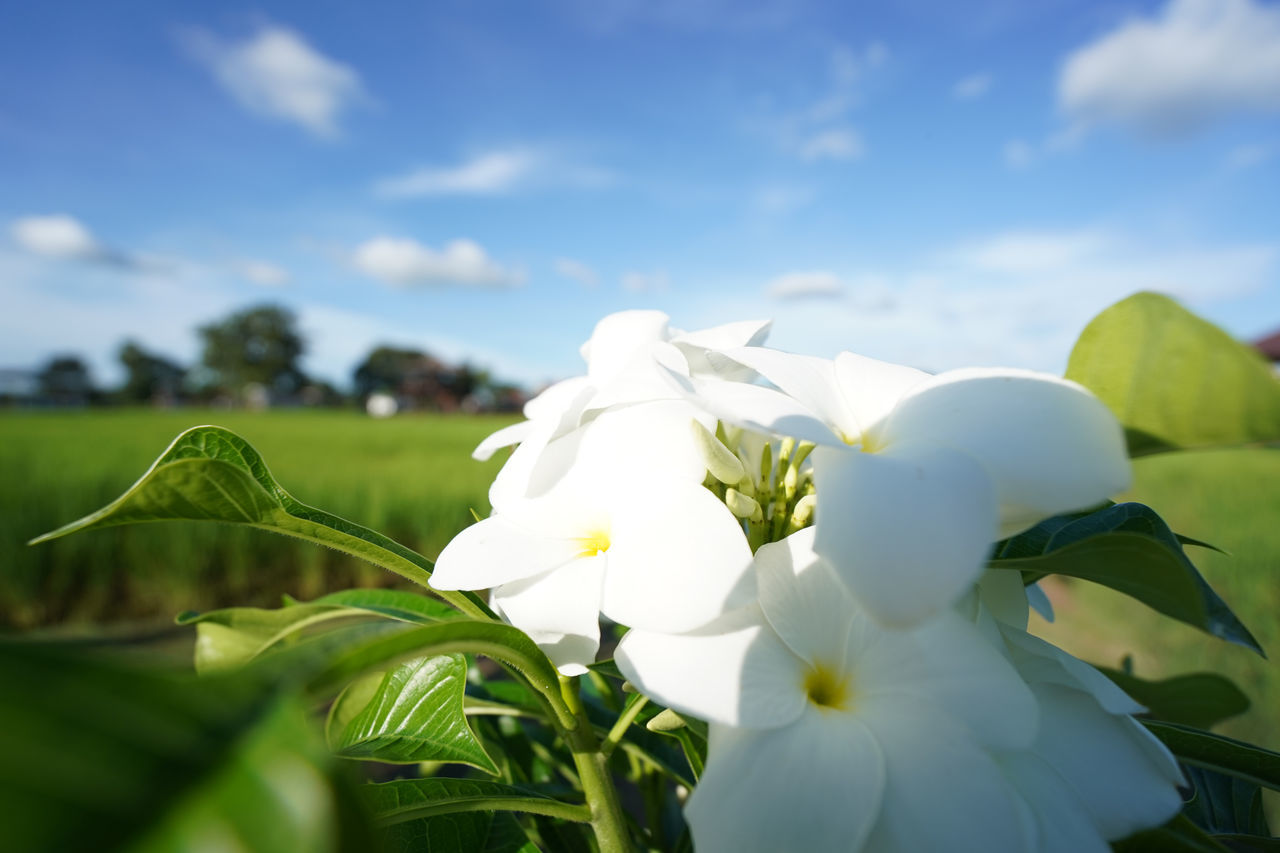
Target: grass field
410,477
413,479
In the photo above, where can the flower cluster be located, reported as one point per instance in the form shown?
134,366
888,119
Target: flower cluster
798,547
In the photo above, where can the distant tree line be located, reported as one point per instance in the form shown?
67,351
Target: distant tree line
250,358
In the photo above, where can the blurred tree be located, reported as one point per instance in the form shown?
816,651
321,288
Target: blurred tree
65,381
259,347
385,370
148,377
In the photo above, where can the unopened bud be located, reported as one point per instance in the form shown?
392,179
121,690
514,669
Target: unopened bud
802,515
743,506
666,721
720,461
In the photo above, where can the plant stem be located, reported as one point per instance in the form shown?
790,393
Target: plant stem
607,820
625,719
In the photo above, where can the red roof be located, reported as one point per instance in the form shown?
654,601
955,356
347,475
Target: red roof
1269,346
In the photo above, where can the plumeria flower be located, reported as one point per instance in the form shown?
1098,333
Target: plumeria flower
917,475
830,733
643,548
627,356
1093,774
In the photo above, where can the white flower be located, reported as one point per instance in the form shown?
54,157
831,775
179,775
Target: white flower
830,733
643,548
917,475
1093,774
627,356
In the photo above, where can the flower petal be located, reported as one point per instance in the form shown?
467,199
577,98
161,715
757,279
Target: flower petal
505,437
1063,824
942,791
815,785
646,442
618,339
809,381
695,345
734,670
1107,765
756,408
677,559
947,663
495,551
1048,445
803,599
1044,663
871,388
559,610
907,530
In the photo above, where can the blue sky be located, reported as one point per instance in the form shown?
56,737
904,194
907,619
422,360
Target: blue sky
940,184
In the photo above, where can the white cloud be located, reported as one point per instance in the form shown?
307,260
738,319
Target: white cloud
1198,60
408,262
818,127
492,173
62,237
1007,298
577,271
971,87
265,273
640,282
818,284
1020,252
277,74
835,144
56,236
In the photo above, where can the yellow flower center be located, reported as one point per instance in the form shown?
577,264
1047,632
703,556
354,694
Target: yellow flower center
827,687
594,542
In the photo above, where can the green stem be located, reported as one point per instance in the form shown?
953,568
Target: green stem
625,719
607,820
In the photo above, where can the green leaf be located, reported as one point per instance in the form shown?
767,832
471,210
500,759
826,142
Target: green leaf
1129,548
1222,754
1200,699
1175,380
101,755
212,474
1224,804
501,642
482,832
413,713
233,636
412,799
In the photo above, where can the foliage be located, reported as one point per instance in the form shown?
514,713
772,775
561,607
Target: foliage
259,345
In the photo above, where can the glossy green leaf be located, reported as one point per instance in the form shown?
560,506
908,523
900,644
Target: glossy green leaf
413,713
233,636
1175,380
212,474
412,799
1200,699
492,639
102,755
1223,804
1222,754
481,832
1127,547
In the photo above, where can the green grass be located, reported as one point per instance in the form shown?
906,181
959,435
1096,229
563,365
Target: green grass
411,478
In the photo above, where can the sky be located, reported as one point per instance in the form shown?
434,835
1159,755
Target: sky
935,184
